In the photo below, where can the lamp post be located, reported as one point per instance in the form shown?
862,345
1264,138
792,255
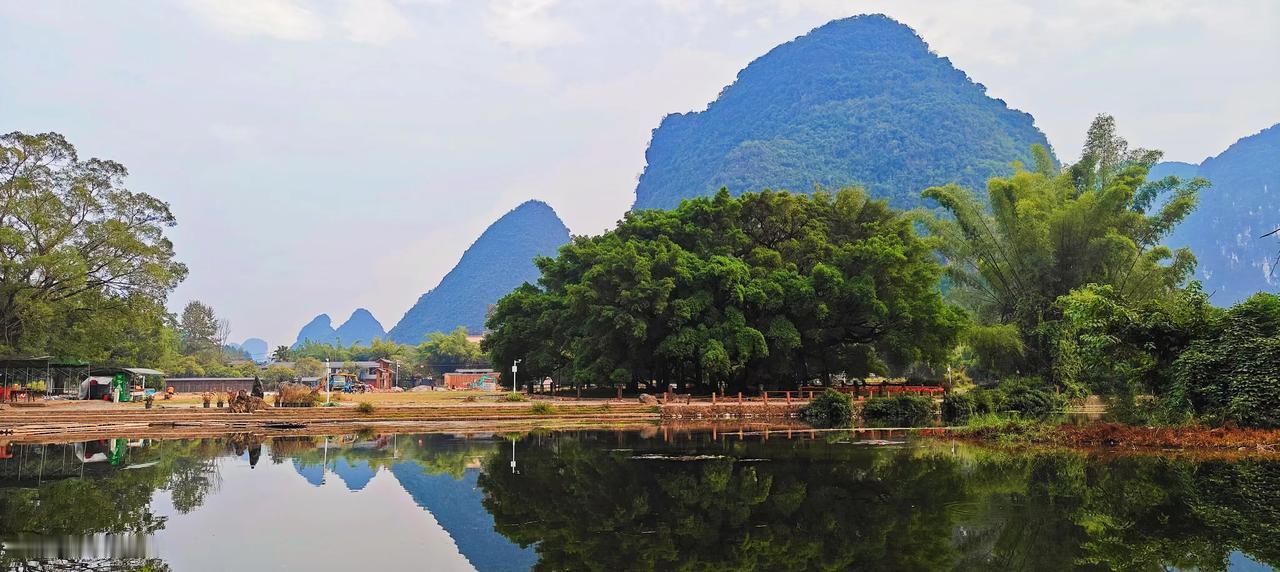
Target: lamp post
513,376
328,390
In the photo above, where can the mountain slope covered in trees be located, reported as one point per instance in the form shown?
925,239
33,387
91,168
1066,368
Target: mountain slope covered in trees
856,101
361,328
495,264
1241,205
319,330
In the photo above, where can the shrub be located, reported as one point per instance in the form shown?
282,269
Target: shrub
297,395
1233,374
830,409
365,408
901,410
1028,397
514,397
960,406
542,408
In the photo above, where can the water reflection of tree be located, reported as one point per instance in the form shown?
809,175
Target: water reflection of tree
436,454
588,508
816,505
115,500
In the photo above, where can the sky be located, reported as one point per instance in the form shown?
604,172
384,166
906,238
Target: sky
323,156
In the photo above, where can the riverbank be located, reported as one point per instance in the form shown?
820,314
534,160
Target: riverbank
1116,437
74,420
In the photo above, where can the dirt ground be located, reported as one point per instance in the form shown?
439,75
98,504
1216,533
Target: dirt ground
194,400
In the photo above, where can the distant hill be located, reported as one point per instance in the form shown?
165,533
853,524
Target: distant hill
495,264
1242,204
256,348
856,101
319,330
361,328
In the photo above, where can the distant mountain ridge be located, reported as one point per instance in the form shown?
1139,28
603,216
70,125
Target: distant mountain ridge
1242,204
360,328
860,100
500,260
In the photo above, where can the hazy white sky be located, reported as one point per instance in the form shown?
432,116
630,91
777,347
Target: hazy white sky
326,155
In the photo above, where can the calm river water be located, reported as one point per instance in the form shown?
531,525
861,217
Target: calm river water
624,501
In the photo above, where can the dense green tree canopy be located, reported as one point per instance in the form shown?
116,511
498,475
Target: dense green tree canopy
199,327
1043,232
768,288
85,266
446,352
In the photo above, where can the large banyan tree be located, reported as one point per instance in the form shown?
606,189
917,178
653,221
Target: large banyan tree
767,289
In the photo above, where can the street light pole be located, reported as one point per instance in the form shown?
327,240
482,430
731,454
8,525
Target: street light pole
513,376
328,390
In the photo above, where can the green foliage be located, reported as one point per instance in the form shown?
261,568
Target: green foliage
996,349
1232,373
767,288
309,367
1028,397
961,406
1043,233
200,328
282,353
829,409
277,374
86,266
858,101
542,408
443,352
365,408
1126,349
514,397
901,410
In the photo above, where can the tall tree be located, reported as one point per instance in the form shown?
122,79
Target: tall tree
767,288
1042,233
200,328
281,353
84,263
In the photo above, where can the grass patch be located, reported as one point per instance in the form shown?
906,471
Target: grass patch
365,408
1007,430
513,397
543,408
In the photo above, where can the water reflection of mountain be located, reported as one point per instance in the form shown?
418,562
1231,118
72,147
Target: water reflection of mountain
456,505
355,475
314,474
440,474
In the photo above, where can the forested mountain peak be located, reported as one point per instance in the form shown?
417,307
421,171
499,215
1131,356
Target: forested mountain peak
361,328
860,100
496,263
319,330
1241,204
